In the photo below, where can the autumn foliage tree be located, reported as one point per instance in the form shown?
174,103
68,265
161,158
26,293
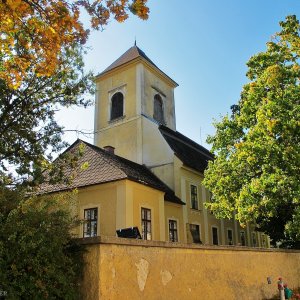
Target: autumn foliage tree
256,170
34,33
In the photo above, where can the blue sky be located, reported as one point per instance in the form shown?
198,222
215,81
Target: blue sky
203,45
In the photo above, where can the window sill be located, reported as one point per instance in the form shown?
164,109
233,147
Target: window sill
196,210
116,119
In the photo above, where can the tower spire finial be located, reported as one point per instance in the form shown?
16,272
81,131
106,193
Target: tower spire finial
135,41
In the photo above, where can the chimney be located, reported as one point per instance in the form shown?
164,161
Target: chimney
109,149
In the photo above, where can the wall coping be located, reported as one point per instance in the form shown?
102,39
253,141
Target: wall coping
143,243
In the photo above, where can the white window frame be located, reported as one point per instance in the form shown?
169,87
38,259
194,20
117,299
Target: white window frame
152,219
177,221
89,206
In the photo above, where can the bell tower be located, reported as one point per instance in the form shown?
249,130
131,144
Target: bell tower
133,97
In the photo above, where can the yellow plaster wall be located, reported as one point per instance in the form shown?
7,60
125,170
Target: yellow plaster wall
148,270
103,197
156,153
131,138
146,197
122,136
121,133
155,84
119,206
174,212
125,79
183,178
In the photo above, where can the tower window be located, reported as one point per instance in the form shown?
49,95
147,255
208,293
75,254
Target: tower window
117,104
158,114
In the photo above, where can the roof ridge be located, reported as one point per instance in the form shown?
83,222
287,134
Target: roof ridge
67,149
143,54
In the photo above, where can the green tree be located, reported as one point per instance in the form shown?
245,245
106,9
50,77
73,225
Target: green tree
38,258
255,174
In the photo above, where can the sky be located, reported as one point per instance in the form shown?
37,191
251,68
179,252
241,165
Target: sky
203,45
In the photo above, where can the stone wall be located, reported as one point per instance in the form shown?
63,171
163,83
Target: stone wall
136,269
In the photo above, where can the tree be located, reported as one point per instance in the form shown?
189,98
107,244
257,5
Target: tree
256,170
29,132
38,258
41,70
33,34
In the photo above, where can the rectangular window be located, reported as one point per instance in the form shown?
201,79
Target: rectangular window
194,197
90,222
243,238
263,240
229,237
254,239
215,236
146,223
195,232
173,234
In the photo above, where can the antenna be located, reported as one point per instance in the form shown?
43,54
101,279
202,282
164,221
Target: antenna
134,40
200,137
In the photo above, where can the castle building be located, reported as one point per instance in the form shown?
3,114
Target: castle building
142,172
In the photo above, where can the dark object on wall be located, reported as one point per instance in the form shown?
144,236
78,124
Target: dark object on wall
129,233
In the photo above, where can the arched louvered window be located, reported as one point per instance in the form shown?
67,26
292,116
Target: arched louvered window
117,104
158,113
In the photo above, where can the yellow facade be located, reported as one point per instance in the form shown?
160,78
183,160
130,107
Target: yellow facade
119,206
123,269
135,136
